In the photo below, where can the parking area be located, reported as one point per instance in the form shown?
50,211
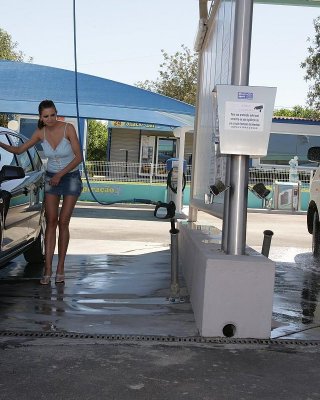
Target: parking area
118,278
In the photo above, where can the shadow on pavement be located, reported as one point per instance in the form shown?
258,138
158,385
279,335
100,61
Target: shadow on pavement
116,213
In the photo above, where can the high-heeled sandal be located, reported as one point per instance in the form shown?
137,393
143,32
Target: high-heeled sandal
45,280
59,278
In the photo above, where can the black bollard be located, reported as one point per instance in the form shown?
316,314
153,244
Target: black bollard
175,289
266,242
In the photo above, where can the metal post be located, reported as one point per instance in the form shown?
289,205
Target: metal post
109,144
151,173
127,162
179,197
267,236
174,288
180,133
226,203
237,212
84,138
239,166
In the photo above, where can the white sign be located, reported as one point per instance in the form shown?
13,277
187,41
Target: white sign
244,116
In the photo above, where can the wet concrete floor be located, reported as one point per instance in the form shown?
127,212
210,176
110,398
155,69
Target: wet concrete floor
296,302
118,280
102,294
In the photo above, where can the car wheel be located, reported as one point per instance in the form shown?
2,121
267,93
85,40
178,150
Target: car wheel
316,235
35,253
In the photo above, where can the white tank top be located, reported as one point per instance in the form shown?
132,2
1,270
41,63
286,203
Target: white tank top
59,157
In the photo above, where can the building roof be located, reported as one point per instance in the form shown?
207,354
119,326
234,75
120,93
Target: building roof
295,120
23,86
304,3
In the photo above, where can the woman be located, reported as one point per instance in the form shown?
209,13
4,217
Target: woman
62,148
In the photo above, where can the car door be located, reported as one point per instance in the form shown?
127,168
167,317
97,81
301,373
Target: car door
32,165
15,202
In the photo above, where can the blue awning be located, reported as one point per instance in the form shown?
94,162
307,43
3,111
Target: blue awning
23,86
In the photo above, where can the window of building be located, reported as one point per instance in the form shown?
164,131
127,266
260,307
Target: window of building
166,148
146,154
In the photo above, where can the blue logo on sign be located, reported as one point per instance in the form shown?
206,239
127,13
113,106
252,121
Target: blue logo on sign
245,95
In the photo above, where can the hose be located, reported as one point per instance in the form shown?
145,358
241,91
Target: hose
143,201
169,181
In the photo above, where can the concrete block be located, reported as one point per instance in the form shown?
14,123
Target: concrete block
231,296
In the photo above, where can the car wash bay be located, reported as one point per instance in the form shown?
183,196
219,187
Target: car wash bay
118,279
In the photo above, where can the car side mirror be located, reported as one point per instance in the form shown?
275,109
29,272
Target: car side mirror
314,154
9,172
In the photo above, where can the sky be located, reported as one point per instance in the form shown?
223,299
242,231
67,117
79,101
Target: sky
122,40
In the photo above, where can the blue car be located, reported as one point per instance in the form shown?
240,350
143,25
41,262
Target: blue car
22,222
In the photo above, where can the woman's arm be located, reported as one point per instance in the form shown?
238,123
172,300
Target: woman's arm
35,138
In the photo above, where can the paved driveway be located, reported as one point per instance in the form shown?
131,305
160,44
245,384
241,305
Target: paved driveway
118,278
117,282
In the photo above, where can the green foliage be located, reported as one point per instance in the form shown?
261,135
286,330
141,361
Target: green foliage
97,141
312,67
178,76
8,51
8,48
298,112
4,120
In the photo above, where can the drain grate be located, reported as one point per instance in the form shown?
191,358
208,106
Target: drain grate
154,338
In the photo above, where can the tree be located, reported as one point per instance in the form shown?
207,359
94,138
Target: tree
312,66
298,112
9,51
97,141
8,48
178,76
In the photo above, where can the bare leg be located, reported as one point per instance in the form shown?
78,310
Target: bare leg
51,213
64,219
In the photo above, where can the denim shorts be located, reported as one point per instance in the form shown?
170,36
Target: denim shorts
70,184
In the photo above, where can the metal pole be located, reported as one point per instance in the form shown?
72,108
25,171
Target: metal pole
267,236
180,133
179,196
237,213
127,162
226,204
151,173
174,287
239,166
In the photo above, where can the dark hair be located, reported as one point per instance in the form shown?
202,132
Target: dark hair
45,104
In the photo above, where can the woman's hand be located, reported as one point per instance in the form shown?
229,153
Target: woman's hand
54,181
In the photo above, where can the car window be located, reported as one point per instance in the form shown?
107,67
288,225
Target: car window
6,158
24,159
36,160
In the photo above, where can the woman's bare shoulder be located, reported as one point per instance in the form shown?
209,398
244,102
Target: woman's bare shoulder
70,129
38,133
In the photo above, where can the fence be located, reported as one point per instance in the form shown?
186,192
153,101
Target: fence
129,172
269,175
156,173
